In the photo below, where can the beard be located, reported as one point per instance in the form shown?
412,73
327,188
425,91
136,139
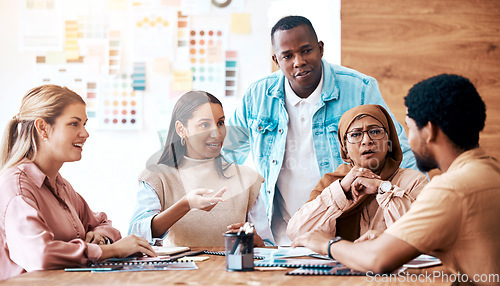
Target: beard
425,161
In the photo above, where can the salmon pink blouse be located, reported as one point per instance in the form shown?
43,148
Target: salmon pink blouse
42,227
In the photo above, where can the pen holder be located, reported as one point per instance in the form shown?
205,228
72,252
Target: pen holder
239,251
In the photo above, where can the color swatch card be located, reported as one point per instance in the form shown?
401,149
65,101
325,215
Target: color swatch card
91,100
206,55
71,40
114,52
182,49
153,33
93,25
120,105
231,73
139,76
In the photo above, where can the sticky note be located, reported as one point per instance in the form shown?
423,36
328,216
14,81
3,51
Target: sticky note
55,58
116,5
241,23
161,65
182,80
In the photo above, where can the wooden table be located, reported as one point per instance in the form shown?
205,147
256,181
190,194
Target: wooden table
210,272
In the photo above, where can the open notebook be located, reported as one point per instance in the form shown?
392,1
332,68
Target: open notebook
169,250
166,260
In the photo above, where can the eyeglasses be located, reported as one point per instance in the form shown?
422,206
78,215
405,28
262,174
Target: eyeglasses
375,133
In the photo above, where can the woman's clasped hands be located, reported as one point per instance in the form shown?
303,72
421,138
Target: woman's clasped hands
360,182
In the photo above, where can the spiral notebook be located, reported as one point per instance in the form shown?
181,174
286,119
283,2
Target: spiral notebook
338,270
144,266
296,262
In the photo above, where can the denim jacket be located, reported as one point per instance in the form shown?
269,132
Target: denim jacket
260,124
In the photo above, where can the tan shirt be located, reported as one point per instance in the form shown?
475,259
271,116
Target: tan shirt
197,227
322,212
457,216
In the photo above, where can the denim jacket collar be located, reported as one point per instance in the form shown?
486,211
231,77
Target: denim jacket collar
329,92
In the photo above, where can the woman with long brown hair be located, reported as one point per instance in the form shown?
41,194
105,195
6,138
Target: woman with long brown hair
192,195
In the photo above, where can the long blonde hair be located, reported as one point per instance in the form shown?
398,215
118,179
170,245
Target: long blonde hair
20,137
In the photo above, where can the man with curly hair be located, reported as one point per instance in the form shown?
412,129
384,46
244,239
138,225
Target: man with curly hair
456,216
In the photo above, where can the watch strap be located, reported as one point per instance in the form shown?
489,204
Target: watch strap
332,241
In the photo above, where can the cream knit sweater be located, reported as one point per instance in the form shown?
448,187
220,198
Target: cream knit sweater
197,227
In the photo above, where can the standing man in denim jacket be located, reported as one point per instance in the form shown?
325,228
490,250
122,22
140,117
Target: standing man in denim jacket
289,121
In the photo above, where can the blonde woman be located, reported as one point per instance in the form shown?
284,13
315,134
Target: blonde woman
44,223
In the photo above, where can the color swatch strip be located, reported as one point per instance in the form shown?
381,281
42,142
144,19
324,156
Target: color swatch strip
231,73
91,99
139,76
71,41
114,52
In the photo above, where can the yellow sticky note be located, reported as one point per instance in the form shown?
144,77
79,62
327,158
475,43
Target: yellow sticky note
55,58
182,80
161,65
116,5
241,23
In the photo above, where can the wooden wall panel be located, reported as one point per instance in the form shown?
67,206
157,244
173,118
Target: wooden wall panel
401,42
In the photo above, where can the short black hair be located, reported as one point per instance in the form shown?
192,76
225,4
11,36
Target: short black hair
290,22
451,102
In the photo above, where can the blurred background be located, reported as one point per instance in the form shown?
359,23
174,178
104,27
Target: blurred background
130,60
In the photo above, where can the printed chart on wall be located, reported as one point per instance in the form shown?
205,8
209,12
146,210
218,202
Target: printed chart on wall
120,105
115,52
153,33
39,25
206,54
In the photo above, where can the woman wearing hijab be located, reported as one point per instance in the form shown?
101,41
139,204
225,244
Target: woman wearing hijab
369,193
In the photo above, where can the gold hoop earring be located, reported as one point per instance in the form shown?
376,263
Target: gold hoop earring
183,141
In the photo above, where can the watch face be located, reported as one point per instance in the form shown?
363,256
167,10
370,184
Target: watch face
385,187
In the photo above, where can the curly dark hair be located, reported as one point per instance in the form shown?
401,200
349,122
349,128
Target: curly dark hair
451,102
290,22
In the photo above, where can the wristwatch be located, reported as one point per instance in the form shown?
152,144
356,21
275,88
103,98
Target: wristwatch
332,241
385,187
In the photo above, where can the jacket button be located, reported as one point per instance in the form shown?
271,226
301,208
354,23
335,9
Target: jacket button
280,131
259,128
274,162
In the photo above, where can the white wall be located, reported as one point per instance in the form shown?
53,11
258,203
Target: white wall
112,160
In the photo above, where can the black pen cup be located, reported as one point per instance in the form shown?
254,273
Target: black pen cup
239,251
